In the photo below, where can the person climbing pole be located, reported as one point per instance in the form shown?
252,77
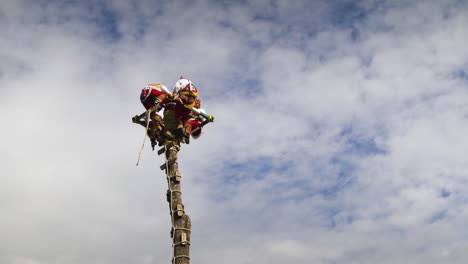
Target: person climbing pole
151,97
181,116
196,120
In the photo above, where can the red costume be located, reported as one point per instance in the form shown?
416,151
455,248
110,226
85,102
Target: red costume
153,93
195,120
185,120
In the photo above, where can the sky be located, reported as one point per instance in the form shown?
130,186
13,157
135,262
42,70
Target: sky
340,132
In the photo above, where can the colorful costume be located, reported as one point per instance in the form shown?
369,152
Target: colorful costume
183,116
179,119
151,97
195,120
153,94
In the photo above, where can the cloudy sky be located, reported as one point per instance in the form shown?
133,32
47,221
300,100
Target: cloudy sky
340,133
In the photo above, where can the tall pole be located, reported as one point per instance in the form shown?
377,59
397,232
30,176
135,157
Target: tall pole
181,224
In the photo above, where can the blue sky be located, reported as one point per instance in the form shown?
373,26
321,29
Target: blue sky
340,131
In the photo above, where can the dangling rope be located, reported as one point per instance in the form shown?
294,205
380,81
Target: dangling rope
146,134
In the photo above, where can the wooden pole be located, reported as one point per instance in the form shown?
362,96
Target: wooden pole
181,224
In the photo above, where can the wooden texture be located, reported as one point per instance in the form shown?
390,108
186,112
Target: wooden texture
181,225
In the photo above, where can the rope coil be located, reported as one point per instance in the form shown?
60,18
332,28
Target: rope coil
181,228
181,256
183,243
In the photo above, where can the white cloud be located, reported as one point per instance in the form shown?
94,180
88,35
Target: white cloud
333,143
